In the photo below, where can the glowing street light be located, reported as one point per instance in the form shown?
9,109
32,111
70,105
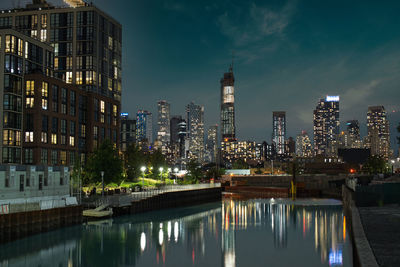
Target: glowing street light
143,169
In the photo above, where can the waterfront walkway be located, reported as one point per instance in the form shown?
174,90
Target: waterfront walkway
123,200
382,228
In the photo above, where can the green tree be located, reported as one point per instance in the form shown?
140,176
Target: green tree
240,164
195,172
157,161
104,158
215,173
134,159
375,165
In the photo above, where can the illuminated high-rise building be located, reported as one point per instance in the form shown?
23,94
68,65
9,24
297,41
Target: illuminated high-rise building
163,134
326,125
228,130
195,131
378,131
87,42
353,127
211,144
86,52
128,132
144,126
279,131
303,145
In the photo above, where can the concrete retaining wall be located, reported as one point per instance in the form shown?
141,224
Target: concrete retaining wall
319,181
171,200
362,252
21,224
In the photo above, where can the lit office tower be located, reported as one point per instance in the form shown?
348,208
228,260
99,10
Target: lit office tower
163,134
228,130
195,131
326,124
378,131
279,131
211,145
353,130
144,127
128,132
303,145
174,129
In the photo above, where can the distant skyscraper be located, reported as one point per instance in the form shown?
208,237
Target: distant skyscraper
303,145
174,129
353,127
378,131
212,141
279,131
144,126
128,131
350,138
326,124
195,131
228,130
163,134
290,147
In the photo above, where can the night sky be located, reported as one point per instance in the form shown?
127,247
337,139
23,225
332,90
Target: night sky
288,54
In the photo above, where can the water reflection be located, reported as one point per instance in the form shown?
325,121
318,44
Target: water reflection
229,233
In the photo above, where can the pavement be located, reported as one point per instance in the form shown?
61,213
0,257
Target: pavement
382,229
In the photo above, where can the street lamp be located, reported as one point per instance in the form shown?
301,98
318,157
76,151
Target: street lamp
161,171
102,182
143,169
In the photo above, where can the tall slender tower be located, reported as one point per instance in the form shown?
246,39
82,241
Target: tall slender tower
195,131
279,131
163,134
228,129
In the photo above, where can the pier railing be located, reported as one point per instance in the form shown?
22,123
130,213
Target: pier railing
126,199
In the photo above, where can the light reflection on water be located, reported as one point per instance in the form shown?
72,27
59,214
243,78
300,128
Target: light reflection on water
230,233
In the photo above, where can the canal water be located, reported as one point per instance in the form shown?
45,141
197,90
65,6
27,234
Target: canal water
255,232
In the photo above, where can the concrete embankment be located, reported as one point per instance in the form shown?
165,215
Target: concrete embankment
21,224
363,255
171,200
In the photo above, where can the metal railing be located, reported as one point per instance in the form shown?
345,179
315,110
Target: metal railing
147,193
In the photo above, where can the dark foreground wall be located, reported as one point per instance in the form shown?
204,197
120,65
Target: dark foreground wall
21,224
171,200
377,194
362,252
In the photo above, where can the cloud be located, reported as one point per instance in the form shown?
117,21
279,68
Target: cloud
260,22
174,6
358,95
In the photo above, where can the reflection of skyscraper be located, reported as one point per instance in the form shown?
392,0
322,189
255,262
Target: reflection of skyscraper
279,227
195,131
163,134
279,131
228,130
326,124
228,235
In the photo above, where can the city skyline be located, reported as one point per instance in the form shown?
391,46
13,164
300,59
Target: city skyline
327,57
